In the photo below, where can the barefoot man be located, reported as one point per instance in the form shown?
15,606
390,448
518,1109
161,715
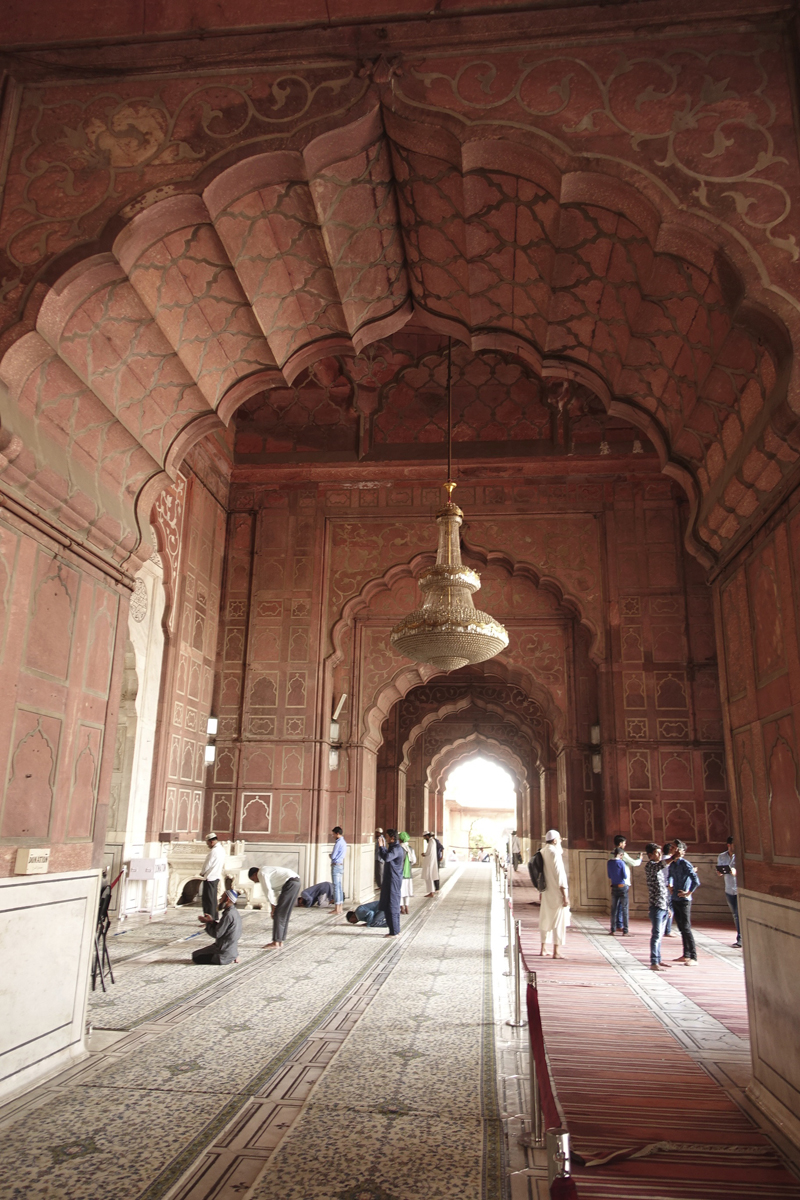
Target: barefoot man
281,886
554,915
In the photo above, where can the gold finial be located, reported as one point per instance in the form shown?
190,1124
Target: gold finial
450,487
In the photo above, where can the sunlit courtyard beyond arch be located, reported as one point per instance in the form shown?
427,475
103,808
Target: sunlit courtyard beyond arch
480,806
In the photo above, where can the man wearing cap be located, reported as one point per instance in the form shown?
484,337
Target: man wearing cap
226,931
554,914
211,873
281,886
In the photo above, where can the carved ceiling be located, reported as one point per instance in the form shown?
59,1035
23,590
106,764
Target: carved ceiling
390,402
287,287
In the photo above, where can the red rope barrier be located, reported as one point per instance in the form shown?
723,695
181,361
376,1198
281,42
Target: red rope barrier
563,1188
549,1110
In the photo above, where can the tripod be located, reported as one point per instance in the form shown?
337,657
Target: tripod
101,964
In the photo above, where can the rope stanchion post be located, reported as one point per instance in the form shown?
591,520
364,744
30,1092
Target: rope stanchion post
537,1133
558,1164
509,938
518,1021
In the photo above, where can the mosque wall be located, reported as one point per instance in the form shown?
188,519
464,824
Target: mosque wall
62,635
756,601
609,618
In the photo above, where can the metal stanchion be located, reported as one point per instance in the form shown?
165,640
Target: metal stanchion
558,1164
518,1021
537,1133
509,937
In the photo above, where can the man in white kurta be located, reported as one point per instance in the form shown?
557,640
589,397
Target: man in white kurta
211,873
430,864
554,914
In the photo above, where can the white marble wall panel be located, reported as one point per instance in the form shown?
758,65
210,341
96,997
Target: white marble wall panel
46,942
588,868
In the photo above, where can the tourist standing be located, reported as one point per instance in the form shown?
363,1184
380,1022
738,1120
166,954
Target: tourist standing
666,855
684,883
516,851
226,931
337,868
430,867
439,862
726,867
554,914
407,888
619,873
657,896
281,886
378,860
211,873
621,843
393,857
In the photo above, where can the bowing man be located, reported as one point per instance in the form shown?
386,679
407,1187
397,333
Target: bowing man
393,856
226,931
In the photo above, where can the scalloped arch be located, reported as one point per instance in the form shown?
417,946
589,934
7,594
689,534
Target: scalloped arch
464,749
291,256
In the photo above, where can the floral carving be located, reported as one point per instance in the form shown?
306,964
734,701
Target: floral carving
673,112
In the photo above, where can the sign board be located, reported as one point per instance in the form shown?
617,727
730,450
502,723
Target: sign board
147,868
32,862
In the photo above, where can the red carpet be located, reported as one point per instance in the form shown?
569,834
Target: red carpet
624,1081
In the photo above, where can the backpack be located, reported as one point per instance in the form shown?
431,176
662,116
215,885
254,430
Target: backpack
536,871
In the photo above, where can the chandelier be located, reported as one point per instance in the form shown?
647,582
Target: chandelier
448,631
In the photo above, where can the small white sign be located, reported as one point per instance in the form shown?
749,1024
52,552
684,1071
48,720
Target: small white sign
147,868
32,862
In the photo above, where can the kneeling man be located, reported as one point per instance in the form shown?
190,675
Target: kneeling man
226,931
370,914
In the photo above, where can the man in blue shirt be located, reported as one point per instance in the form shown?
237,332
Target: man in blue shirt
337,867
370,914
619,873
683,883
726,867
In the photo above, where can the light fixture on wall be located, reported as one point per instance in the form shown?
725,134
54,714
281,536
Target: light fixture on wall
448,632
336,736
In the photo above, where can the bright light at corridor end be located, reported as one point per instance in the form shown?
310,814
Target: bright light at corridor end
481,783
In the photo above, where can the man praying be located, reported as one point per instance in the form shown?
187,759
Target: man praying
226,931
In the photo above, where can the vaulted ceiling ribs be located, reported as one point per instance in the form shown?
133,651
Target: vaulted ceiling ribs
290,258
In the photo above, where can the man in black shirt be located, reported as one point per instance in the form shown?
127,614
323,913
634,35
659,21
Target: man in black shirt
659,898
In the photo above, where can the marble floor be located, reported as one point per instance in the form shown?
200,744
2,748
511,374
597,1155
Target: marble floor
334,1070
349,1067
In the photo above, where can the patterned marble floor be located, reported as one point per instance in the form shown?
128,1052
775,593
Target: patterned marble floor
330,1071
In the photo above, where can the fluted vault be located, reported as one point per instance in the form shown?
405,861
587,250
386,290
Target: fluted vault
287,258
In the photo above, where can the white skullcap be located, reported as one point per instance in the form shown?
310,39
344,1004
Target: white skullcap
551,835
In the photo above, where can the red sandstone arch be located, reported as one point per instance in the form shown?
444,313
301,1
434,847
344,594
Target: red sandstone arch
463,749
457,706
290,256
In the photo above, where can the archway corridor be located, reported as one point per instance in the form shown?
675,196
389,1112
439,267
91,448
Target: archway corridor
269,274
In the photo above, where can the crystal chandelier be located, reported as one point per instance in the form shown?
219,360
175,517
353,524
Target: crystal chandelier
448,631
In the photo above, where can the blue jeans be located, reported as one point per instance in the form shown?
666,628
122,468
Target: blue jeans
619,904
658,919
733,905
338,880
